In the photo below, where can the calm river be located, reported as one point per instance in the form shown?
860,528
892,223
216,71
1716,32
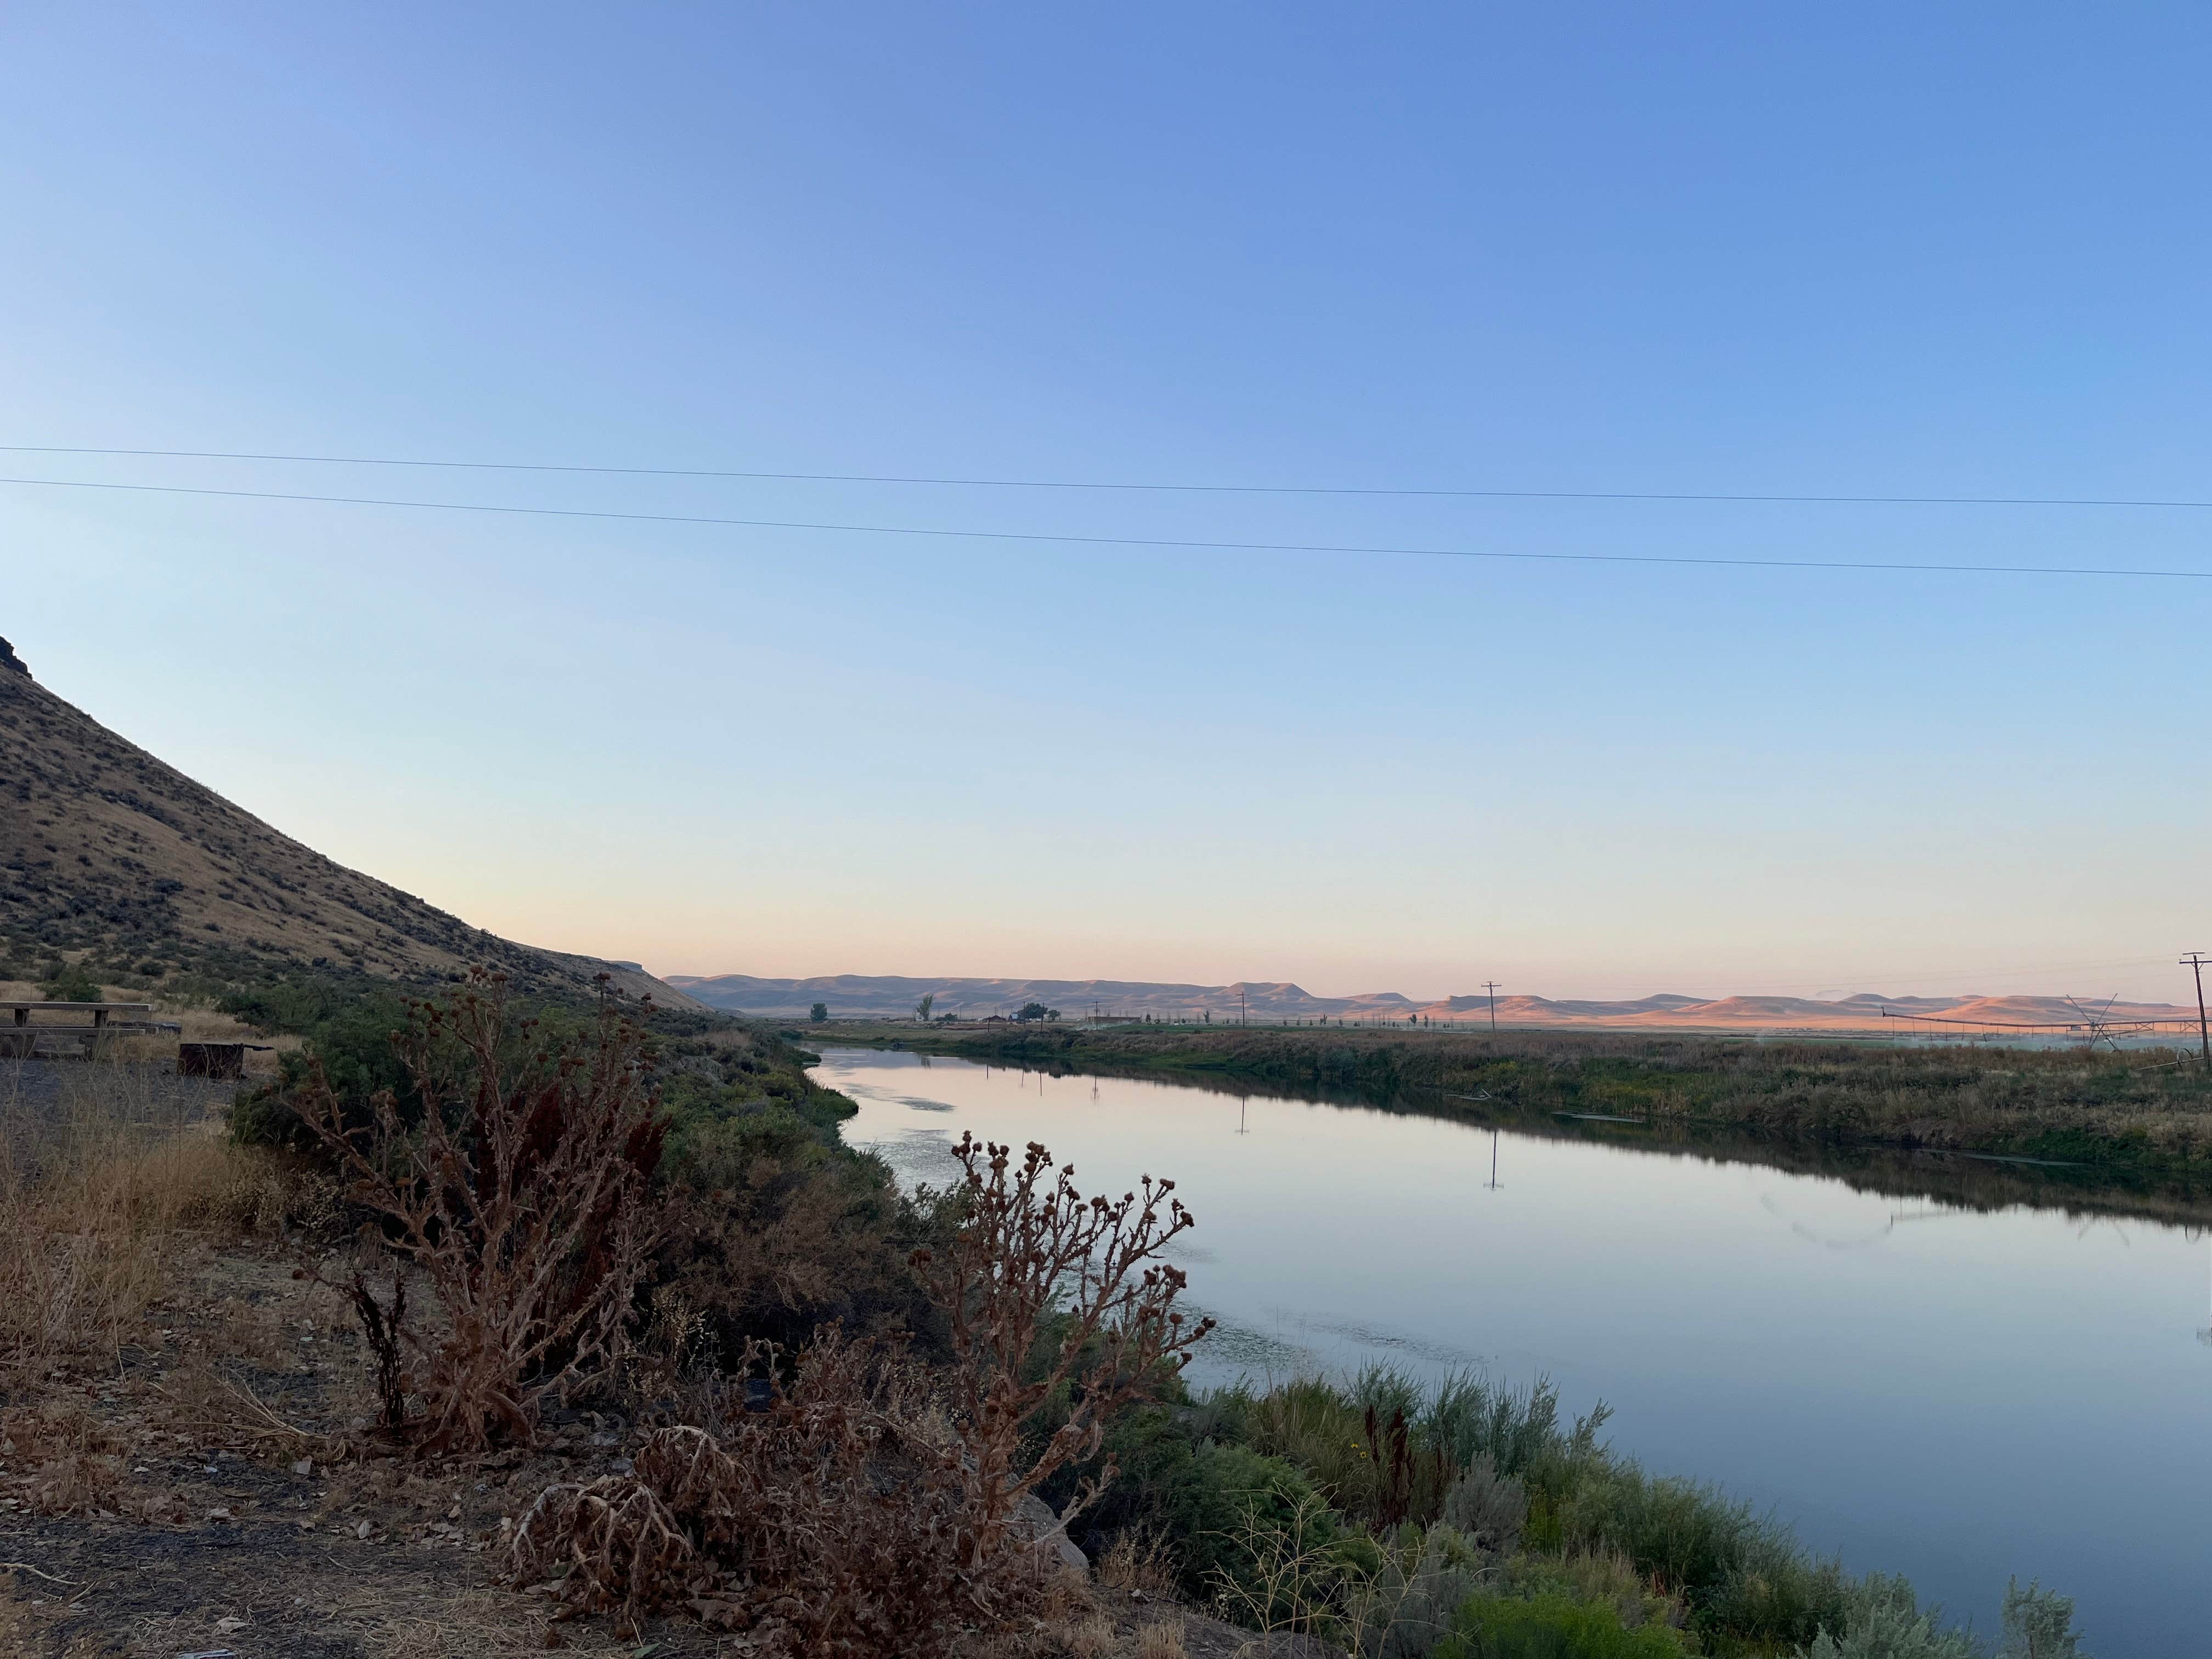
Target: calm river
1949,1394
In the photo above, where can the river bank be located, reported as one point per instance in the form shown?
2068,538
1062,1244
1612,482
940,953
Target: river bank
1864,1370
2141,1121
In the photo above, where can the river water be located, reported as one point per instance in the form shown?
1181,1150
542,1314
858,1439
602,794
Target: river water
1952,1394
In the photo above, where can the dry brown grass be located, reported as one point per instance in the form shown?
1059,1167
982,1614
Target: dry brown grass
1092,1638
63,1459
1135,1561
95,1188
478,1625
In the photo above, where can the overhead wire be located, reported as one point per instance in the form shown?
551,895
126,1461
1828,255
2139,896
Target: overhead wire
977,483
1171,543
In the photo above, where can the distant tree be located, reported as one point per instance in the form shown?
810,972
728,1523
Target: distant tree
1036,1011
922,1008
818,1012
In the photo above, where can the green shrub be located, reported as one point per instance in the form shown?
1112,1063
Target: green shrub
1214,1506
69,982
2038,1624
1882,1619
1552,1627
1518,1430
349,1033
1741,1571
1743,1578
1229,1493
1314,1424
1603,1576
1406,1610
773,1229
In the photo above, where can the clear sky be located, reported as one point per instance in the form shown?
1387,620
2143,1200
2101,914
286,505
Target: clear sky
1888,250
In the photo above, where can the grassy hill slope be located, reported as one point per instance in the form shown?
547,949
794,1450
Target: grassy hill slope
106,850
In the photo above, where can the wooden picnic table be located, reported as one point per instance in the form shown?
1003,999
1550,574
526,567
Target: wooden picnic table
98,1011
20,1039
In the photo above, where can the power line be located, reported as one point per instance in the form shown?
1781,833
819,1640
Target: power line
1179,545
761,474
2195,961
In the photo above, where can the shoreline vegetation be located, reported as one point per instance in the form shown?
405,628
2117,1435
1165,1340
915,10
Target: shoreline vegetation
2127,1132
739,1385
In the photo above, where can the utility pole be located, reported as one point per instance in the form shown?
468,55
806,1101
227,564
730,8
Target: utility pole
2195,961
1491,986
1242,1016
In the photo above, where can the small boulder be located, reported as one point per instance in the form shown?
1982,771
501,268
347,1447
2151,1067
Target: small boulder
1036,1521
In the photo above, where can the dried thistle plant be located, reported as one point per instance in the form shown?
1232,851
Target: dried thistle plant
1031,1251
519,1194
824,1518
861,1505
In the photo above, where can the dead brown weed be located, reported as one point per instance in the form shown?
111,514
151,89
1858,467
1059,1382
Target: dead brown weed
849,1502
518,1192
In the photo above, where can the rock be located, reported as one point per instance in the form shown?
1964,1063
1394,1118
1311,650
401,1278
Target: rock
361,1532
10,662
703,1066
1035,1518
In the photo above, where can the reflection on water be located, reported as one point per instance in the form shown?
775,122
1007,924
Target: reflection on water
1952,1391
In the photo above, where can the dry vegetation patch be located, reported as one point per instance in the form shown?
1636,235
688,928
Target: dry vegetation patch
188,1455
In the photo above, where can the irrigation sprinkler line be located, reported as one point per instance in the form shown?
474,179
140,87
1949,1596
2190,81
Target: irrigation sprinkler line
2088,1023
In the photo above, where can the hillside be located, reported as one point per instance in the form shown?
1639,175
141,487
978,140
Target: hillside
105,849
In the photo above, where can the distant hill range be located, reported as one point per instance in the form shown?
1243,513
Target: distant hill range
104,849
891,996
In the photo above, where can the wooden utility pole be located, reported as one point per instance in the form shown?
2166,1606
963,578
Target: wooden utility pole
1491,986
2195,961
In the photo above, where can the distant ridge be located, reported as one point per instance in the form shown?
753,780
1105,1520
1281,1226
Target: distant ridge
889,996
105,848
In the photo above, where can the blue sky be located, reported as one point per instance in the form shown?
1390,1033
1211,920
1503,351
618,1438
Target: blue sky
1874,250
